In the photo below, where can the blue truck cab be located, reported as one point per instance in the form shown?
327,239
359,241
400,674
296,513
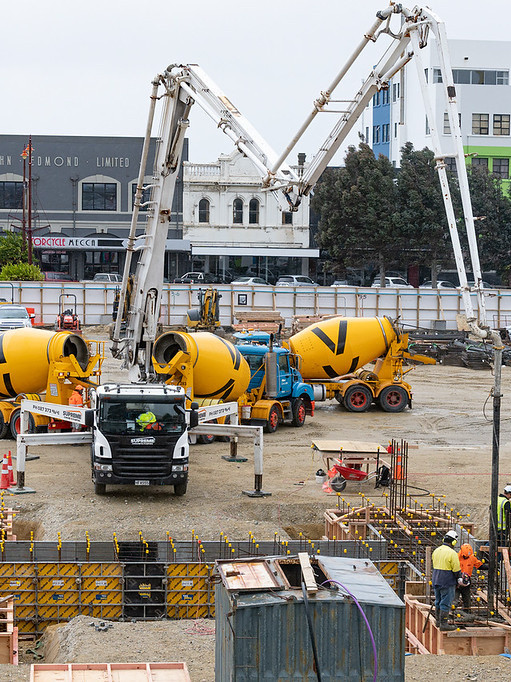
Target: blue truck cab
276,393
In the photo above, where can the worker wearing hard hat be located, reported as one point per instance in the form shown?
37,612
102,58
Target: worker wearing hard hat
503,516
468,561
146,420
76,400
446,574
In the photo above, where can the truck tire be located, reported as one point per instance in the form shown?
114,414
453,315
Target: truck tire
100,488
393,399
298,408
204,439
273,420
4,428
15,423
180,489
358,398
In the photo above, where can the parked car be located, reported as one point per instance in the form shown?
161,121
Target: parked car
250,281
344,283
485,285
296,281
440,284
107,277
196,278
58,277
13,316
392,282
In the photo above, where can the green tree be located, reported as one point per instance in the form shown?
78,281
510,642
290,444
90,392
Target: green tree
20,272
359,213
12,249
423,219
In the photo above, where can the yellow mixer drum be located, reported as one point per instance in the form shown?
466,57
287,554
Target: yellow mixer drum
25,355
219,369
341,345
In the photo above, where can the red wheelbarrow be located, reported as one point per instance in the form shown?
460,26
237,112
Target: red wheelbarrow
345,474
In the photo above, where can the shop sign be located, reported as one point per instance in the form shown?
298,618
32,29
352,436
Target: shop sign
53,242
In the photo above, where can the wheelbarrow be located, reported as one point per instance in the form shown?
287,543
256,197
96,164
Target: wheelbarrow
344,474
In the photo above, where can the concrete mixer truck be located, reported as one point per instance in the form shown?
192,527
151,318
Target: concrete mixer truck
35,361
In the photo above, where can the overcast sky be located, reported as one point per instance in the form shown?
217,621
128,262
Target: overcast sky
85,68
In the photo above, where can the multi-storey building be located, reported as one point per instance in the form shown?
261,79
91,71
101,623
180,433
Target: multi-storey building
481,74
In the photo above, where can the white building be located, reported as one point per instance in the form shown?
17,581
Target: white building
483,94
234,226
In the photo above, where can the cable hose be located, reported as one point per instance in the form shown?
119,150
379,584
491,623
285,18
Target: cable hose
311,632
375,653
425,493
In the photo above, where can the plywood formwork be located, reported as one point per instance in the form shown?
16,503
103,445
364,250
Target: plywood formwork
8,633
109,672
424,636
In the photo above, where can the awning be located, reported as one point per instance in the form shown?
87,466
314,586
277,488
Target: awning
268,252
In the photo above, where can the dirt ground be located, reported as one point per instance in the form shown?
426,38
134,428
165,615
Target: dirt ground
450,437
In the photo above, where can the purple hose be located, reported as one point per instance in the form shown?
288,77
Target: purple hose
375,654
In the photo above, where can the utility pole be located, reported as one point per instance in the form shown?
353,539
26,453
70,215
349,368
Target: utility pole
29,228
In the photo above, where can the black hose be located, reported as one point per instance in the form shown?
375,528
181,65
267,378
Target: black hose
311,632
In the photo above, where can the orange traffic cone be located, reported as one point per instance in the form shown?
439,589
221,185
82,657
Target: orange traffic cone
398,476
10,469
4,480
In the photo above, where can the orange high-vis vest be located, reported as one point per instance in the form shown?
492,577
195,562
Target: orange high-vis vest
76,398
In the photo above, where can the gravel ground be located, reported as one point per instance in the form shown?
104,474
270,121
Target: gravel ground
450,438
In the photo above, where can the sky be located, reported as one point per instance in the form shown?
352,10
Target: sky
86,68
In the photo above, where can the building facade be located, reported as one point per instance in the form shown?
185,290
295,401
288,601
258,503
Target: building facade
236,228
483,93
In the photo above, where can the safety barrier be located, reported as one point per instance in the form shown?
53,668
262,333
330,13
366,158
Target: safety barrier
414,307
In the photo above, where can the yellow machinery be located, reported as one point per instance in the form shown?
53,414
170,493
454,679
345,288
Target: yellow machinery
333,352
35,360
206,317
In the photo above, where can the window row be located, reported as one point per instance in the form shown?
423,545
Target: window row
381,133
238,209
500,167
382,97
474,77
481,124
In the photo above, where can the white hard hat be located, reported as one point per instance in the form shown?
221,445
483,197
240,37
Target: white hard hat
452,535
507,489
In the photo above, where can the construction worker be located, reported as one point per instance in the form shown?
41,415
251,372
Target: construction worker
145,420
446,573
468,561
503,516
76,399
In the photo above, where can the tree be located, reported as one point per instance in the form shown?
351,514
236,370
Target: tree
359,211
423,219
12,249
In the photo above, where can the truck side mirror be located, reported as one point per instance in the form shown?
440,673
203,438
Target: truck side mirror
89,418
194,415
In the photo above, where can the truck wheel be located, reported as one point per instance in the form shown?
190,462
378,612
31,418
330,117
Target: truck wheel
358,399
100,488
298,408
273,420
180,489
337,483
205,439
15,423
393,399
4,428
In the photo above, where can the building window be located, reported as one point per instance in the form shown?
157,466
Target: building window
376,134
146,197
428,131
253,212
376,99
287,218
395,129
481,124
437,76
501,168
385,132
426,75
99,196
237,212
385,95
480,161
447,125
450,164
204,211
11,194
367,140
501,124
479,77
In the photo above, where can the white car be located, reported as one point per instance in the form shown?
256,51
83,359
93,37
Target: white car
440,284
14,316
250,281
392,283
295,281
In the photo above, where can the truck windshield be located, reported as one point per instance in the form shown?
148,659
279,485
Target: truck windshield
134,416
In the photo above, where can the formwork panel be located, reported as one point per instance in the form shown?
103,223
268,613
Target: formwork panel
60,569
178,612
101,569
60,612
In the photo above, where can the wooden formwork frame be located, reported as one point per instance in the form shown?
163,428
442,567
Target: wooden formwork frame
424,636
95,672
8,633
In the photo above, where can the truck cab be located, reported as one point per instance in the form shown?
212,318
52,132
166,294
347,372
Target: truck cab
276,392
140,436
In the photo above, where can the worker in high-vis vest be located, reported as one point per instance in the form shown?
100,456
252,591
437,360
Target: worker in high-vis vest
446,574
145,419
503,516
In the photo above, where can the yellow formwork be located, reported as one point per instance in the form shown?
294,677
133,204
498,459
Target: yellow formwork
189,591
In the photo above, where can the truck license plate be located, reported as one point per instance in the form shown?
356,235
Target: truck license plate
141,482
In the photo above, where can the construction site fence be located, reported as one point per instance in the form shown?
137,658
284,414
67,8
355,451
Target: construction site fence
47,592
415,307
